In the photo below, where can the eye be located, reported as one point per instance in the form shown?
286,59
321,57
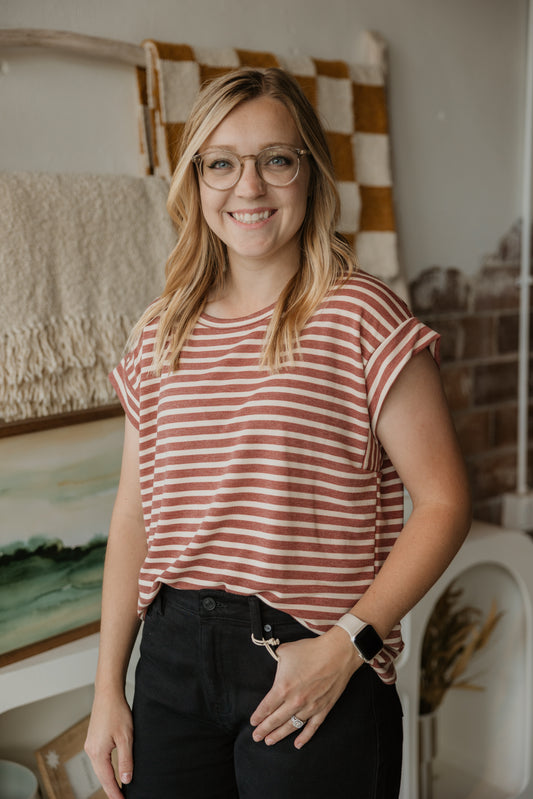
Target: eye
278,159
219,162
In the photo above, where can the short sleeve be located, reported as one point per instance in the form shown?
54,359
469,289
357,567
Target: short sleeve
396,336
126,380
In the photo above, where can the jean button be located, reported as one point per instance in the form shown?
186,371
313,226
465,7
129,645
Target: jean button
209,603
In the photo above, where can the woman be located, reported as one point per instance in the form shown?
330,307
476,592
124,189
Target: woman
274,395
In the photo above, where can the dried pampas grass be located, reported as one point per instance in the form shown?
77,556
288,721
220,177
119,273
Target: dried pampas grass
454,635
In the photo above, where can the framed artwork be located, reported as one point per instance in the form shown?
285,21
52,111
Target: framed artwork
57,489
65,768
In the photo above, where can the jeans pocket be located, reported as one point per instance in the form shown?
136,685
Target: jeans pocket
287,632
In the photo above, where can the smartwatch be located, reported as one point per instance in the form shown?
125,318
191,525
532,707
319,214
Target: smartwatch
365,639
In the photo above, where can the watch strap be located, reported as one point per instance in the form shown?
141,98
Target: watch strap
353,626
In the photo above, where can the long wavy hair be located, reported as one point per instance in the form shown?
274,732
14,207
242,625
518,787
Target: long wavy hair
197,265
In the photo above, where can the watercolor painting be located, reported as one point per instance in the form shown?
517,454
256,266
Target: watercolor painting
57,489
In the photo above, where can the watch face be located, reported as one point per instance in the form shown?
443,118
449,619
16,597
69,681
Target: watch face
368,642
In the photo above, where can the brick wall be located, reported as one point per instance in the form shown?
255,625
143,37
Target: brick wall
478,319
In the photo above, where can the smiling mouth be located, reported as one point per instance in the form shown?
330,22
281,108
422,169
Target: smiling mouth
252,218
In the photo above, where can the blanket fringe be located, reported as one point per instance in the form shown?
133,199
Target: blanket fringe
60,366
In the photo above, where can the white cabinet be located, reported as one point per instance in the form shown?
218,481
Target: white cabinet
484,737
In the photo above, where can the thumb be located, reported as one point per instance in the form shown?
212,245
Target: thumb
123,763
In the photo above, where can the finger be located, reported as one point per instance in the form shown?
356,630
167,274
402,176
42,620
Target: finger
268,705
125,762
309,730
273,722
106,775
277,726
284,730
280,717
288,728
102,763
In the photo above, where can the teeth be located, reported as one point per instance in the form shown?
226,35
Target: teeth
250,219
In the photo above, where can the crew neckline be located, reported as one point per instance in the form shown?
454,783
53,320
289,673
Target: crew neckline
237,321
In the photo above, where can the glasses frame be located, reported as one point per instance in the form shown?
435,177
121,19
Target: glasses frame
198,160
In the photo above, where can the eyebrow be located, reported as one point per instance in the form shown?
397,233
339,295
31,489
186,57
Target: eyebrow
229,148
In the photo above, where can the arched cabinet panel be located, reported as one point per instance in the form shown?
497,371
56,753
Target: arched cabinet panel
484,742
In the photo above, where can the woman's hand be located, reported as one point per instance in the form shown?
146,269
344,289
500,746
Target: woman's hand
312,674
110,728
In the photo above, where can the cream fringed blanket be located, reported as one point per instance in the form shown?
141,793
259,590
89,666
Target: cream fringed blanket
81,256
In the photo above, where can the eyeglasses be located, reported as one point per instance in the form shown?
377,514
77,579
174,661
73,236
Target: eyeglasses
222,169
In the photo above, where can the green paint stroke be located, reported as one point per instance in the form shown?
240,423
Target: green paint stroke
47,589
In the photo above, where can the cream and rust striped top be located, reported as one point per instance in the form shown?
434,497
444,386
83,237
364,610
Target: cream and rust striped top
274,484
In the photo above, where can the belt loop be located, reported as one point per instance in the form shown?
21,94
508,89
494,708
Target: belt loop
255,616
257,627
162,599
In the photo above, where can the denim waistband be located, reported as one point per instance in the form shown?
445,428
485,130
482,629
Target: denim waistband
217,604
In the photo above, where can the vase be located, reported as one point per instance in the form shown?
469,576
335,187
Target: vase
427,750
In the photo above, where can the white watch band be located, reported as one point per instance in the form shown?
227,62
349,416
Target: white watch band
351,624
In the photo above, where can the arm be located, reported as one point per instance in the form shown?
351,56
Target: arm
111,724
417,433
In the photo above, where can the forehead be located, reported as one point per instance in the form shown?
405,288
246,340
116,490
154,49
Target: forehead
255,124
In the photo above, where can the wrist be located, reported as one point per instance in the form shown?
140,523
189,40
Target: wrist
342,646
362,635
110,687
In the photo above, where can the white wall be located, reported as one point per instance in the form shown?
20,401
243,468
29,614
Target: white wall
456,89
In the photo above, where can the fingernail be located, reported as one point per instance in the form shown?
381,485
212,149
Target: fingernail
126,777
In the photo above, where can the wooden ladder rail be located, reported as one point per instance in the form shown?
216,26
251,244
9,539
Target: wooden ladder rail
91,46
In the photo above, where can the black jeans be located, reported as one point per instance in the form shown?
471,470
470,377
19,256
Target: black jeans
198,681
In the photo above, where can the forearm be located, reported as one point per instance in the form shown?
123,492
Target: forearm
126,550
111,723
416,431
120,622
427,544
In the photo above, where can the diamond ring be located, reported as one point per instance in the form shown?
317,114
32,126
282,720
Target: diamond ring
297,723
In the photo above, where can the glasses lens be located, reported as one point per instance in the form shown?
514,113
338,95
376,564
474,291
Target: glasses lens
220,169
278,165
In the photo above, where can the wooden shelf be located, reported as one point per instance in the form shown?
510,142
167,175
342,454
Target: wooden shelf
53,672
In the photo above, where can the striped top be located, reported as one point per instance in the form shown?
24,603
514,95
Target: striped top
274,484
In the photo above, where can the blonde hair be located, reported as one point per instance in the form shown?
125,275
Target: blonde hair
198,262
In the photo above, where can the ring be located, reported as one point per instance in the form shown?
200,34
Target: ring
297,723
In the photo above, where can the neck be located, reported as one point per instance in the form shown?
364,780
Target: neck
247,290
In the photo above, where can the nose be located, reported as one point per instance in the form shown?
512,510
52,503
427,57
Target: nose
250,183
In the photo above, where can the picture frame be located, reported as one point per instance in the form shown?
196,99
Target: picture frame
65,768
51,421
58,489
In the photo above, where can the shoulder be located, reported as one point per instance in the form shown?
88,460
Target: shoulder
139,352
144,332
368,297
